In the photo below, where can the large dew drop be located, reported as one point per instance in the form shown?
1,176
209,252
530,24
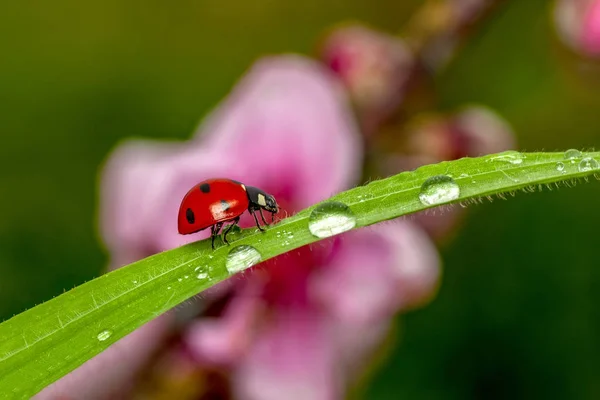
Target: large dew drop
438,189
331,218
588,164
572,154
241,258
104,335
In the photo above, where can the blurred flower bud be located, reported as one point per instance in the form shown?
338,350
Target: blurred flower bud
374,66
578,25
474,131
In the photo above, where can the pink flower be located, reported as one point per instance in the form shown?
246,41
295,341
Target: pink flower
298,326
578,24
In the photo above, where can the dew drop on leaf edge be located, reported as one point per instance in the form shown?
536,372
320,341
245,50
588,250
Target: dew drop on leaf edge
241,258
587,164
331,218
560,167
572,154
438,189
104,335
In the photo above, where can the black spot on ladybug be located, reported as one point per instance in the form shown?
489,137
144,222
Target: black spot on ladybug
225,205
189,215
205,188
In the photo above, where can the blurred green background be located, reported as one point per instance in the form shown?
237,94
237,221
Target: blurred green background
515,316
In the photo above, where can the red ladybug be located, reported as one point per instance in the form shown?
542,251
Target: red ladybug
214,202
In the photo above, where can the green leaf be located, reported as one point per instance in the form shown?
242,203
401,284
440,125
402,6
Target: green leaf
40,345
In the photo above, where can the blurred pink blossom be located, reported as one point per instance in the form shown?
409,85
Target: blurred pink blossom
472,131
299,326
578,24
375,68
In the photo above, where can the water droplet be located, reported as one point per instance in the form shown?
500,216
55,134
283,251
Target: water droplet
588,164
572,154
179,279
196,269
202,275
331,218
210,256
560,167
168,287
186,276
242,257
104,335
438,189
135,282
511,157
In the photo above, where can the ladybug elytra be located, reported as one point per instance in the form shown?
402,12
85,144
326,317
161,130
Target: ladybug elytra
214,202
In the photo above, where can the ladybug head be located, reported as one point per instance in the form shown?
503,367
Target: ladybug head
261,200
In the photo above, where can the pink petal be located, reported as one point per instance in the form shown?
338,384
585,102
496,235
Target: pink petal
111,374
287,126
131,182
293,359
223,340
376,272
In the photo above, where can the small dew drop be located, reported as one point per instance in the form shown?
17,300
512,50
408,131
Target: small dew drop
168,287
438,189
196,269
572,154
104,335
511,157
331,218
179,279
210,256
242,257
135,282
560,167
202,275
588,164
186,276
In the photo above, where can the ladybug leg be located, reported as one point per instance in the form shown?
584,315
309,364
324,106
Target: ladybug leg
256,220
263,217
214,232
234,223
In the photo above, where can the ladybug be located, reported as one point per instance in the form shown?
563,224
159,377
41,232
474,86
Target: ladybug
214,202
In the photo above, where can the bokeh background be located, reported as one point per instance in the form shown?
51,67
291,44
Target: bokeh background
515,316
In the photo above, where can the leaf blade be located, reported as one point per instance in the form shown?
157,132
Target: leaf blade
44,343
